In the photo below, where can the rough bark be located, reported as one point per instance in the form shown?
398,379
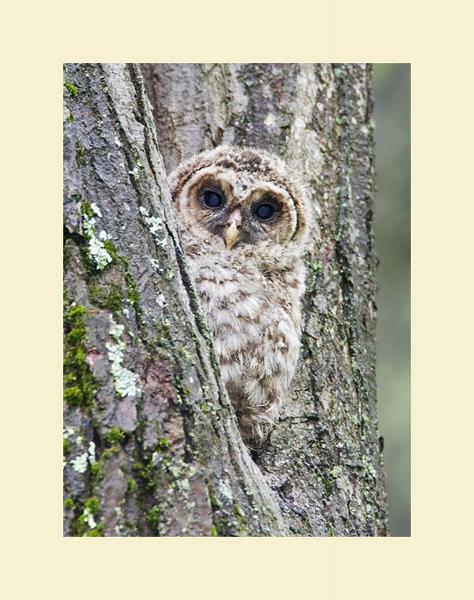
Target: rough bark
168,456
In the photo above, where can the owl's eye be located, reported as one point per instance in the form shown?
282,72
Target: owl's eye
265,211
213,198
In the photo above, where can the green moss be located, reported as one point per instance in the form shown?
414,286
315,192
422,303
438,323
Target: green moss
92,504
116,435
71,88
66,446
109,452
214,532
86,209
315,266
132,485
79,384
96,471
132,290
73,396
69,504
114,296
144,472
153,518
81,524
112,250
163,445
108,298
96,532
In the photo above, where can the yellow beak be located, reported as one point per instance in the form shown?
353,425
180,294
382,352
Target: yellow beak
231,236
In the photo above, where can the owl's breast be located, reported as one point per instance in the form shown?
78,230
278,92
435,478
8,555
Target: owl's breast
233,298
254,320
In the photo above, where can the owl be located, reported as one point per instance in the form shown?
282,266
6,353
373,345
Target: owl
244,223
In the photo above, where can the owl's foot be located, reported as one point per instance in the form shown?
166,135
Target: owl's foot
256,428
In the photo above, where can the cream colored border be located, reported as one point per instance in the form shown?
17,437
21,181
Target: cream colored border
431,564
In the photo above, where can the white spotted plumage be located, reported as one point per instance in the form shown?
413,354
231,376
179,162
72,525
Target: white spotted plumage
251,290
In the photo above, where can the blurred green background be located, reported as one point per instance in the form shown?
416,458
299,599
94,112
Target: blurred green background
392,240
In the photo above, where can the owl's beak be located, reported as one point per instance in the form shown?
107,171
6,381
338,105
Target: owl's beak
233,232
232,235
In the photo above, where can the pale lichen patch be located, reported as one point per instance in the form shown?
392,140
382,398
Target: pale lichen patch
96,248
68,432
155,224
79,464
96,209
125,381
89,518
135,173
91,453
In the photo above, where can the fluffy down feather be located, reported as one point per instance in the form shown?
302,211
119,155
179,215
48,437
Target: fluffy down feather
251,293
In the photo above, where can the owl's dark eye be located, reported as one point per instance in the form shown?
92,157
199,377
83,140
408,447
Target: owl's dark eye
213,198
264,211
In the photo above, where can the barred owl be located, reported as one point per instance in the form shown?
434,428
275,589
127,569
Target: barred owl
243,221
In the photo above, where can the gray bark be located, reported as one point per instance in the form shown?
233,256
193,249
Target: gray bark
168,455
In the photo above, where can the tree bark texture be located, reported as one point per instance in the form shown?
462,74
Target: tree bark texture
151,441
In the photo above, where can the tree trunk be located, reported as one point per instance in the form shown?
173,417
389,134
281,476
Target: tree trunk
151,441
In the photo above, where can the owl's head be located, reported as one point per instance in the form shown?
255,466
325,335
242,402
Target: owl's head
240,196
